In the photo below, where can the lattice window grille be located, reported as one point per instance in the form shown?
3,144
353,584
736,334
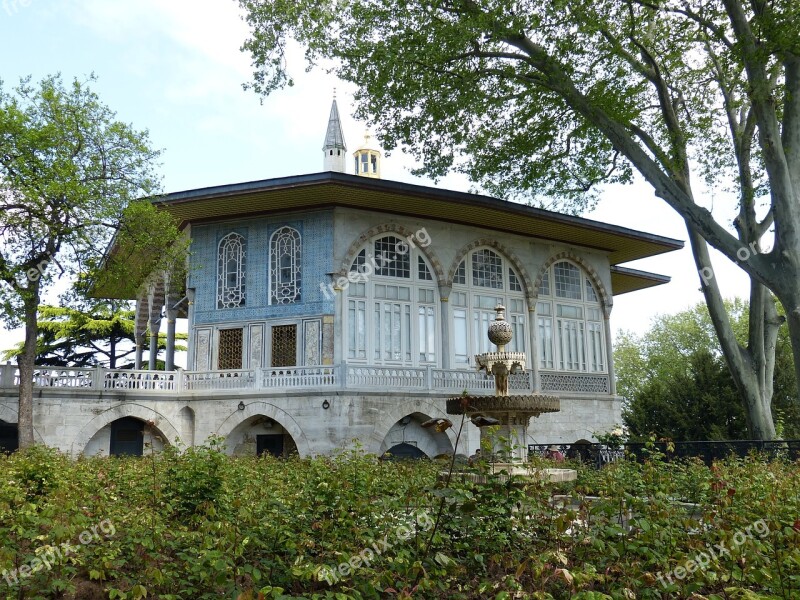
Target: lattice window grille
284,345
487,269
557,382
544,288
460,276
591,295
392,257
229,353
513,282
359,262
231,262
568,280
423,273
285,262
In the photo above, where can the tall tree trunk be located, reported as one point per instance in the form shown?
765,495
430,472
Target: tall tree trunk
112,352
27,363
792,307
744,364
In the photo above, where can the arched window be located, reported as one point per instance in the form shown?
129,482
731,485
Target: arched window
481,281
391,307
569,321
231,255
285,253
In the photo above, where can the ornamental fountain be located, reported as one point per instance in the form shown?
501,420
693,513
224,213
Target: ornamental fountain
510,413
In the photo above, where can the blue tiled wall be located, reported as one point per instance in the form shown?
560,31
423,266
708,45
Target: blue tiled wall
316,231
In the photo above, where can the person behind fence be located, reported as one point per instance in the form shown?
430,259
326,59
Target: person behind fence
553,453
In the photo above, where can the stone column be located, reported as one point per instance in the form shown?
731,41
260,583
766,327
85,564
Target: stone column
339,307
190,359
172,316
139,330
612,379
444,297
153,325
533,354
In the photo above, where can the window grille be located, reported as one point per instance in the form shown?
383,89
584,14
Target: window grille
284,345
392,257
423,273
229,355
460,276
544,289
285,260
487,269
568,280
231,257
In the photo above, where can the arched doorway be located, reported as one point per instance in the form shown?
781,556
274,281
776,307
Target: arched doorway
408,438
261,435
9,437
404,451
127,437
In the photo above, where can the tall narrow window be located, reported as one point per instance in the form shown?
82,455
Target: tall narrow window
285,258
231,254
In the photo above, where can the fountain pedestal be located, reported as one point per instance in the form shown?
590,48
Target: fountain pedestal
508,415
508,438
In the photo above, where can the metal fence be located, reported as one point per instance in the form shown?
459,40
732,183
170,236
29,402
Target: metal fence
708,451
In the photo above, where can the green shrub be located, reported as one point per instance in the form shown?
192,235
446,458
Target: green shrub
203,525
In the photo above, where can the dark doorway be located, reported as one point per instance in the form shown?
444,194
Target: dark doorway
127,437
271,443
8,436
404,451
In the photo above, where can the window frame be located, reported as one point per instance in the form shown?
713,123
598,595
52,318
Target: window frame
586,325
274,267
223,260
469,320
362,300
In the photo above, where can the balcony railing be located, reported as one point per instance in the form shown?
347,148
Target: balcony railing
334,377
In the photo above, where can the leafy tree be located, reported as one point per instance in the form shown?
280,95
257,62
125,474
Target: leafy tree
70,174
550,99
103,334
676,384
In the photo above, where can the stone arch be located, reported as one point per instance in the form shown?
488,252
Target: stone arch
187,420
265,409
606,300
392,415
507,253
402,232
148,415
9,415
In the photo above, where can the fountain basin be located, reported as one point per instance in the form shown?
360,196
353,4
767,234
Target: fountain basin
531,404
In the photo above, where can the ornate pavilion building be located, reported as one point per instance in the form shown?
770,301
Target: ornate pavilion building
333,307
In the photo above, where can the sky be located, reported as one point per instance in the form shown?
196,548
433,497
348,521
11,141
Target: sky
175,68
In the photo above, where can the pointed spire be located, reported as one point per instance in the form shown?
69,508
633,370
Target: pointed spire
334,137
334,151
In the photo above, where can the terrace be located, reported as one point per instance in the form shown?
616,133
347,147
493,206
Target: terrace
347,377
